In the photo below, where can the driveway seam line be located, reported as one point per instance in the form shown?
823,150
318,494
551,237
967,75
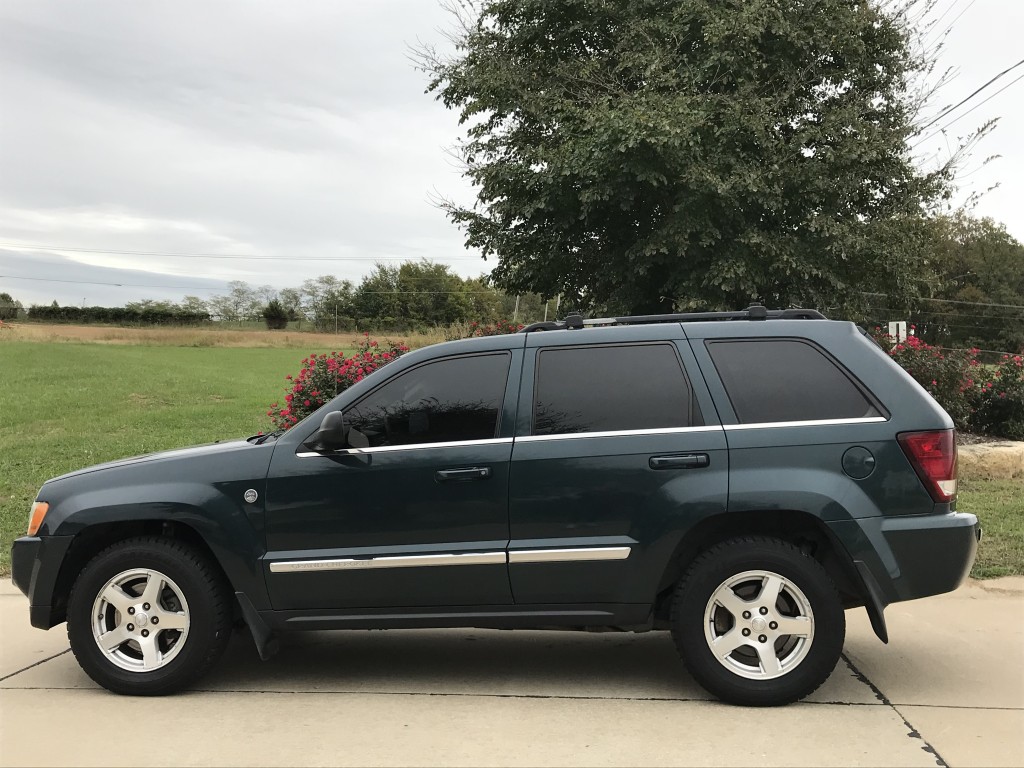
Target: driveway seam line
36,664
912,732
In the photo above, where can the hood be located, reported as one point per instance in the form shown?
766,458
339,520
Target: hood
195,451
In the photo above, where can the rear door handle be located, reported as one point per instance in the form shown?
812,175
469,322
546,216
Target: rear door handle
685,461
471,473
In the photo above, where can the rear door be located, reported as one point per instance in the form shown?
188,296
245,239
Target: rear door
617,452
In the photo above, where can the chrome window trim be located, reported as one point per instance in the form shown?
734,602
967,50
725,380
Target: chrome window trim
582,435
568,555
414,447
618,433
400,561
808,423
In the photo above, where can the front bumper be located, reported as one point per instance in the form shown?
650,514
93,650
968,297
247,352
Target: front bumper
35,564
913,556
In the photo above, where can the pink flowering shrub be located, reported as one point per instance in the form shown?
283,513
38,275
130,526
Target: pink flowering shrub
1000,400
496,328
948,375
980,398
322,377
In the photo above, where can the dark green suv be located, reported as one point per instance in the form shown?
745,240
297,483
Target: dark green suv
737,478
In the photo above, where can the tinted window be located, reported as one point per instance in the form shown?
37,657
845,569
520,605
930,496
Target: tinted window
786,380
603,389
454,399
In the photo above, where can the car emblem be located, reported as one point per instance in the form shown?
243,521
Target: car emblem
251,496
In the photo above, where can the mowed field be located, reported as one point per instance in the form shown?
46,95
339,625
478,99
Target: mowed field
68,404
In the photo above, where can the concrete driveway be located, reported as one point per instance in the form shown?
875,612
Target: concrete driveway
948,690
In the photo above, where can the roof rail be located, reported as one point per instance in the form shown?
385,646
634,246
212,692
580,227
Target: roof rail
753,312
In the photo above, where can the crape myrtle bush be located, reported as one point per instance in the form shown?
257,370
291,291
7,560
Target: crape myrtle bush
322,377
131,315
999,408
980,398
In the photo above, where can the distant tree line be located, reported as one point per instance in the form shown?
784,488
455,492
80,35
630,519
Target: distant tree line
9,307
402,297
137,313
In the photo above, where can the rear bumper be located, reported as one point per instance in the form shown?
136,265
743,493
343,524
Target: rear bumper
914,556
35,563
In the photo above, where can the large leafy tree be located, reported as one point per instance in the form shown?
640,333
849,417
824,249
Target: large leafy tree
653,154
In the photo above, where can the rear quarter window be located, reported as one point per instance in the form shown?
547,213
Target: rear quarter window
773,380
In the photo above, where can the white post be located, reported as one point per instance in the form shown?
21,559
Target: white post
898,330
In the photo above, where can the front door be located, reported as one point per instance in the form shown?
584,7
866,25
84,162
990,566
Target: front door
417,515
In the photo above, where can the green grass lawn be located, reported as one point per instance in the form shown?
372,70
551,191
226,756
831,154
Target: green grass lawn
64,406
999,505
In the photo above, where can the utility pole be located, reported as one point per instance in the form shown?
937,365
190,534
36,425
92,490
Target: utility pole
515,312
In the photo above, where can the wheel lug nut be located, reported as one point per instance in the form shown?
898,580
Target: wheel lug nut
771,624
131,611
155,620
746,614
145,633
131,627
760,638
746,633
763,611
145,607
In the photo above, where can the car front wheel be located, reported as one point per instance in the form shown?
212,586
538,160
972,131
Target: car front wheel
758,622
148,616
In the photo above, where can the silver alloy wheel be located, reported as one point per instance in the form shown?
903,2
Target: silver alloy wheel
140,620
759,625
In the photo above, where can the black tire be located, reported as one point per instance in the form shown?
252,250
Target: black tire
201,584
815,658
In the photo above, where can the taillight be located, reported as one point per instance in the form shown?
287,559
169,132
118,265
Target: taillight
933,455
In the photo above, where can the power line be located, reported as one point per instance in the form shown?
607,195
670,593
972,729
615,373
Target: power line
965,114
969,97
116,285
237,256
949,301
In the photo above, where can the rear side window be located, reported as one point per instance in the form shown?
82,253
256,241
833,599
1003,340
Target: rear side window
612,388
770,380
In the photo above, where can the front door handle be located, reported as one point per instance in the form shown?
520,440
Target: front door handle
470,473
685,461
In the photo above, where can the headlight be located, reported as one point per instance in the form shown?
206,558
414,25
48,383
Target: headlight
35,518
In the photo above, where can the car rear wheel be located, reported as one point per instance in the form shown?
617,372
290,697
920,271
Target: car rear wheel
758,622
148,616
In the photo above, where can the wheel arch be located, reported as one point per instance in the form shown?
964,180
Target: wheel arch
94,538
802,529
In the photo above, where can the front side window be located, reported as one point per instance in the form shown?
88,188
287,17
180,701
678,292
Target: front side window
610,389
773,380
448,400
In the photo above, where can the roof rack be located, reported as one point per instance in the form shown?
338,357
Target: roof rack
753,312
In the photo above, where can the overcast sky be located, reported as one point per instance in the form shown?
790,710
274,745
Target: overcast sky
290,130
